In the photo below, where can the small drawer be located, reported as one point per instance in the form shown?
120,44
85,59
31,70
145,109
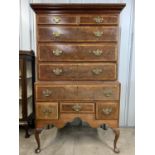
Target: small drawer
77,52
56,19
99,19
77,107
107,110
46,110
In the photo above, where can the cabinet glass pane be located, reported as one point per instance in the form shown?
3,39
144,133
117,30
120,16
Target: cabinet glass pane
28,69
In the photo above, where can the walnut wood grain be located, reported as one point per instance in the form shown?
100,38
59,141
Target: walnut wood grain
77,34
47,110
70,107
102,112
77,52
77,91
76,71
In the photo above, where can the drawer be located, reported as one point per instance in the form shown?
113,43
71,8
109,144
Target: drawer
107,110
77,34
77,107
56,19
77,52
98,92
99,19
56,92
47,110
77,71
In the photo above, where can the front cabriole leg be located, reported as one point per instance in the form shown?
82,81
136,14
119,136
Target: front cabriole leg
117,134
37,132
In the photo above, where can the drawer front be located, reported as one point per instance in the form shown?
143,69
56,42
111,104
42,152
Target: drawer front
74,52
77,34
50,72
46,110
99,19
107,110
86,71
102,92
97,71
56,19
77,107
50,93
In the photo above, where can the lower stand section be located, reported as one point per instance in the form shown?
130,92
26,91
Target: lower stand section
115,130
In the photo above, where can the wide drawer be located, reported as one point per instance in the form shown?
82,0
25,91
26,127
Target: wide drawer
47,110
77,71
56,92
77,91
68,107
77,52
107,110
99,19
77,34
56,19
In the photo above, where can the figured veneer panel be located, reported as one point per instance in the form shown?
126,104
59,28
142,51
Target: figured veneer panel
56,19
77,107
77,34
47,110
107,110
77,71
77,52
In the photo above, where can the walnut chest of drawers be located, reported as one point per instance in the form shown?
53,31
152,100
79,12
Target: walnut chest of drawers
77,63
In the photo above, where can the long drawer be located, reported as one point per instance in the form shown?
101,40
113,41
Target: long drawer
75,91
77,34
76,71
77,52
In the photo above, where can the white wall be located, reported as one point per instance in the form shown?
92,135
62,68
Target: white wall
126,64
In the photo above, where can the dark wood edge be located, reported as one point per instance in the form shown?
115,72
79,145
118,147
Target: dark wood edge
97,6
28,53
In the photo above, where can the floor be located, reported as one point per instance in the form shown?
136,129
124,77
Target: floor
78,141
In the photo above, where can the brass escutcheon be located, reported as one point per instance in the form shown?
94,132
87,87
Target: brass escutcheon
46,92
76,107
47,111
98,19
57,52
98,33
57,19
57,71
56,34
97,52
107,111
97,71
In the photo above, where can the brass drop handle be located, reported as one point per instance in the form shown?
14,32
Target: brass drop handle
97,71
98,19
98,33
107,111
56,34
57,52
76,107
97,52
108,93
47,111
57,71
57,19
46,92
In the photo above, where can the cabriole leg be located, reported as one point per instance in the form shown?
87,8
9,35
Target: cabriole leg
37,132
117,134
